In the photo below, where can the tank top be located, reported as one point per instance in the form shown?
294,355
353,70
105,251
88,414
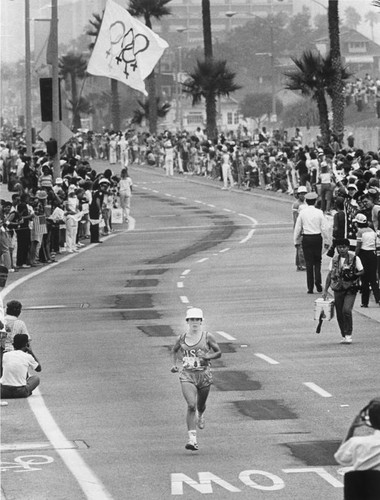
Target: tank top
191,353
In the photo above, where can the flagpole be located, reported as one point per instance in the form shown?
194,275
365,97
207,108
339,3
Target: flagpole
55,86
28,83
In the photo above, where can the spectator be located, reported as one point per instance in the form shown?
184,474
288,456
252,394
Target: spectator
362,452
16,381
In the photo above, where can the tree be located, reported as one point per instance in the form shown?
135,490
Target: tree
372,18
352,17
209,80
258,105
143,112
312,77
73,66
336,88
96,23
148,9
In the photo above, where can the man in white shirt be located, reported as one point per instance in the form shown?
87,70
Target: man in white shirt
16,382
309,225
362,452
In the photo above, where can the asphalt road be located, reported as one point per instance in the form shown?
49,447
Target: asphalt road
109,419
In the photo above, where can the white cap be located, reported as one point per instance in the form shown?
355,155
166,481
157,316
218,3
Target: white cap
194,313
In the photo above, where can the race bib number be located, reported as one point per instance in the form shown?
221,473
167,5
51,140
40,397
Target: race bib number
192,363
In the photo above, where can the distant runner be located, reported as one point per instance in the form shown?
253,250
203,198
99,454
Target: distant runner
197,347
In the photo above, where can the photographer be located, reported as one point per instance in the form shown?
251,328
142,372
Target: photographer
362,452
16,382
344,271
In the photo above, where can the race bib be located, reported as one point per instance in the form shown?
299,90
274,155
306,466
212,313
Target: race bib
192,363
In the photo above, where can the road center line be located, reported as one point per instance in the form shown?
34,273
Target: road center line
179,284
224,250
269,360
87,480
184,299
317,389
248,237
185,272
202,260
225,335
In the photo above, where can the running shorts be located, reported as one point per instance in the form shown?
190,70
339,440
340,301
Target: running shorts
200,379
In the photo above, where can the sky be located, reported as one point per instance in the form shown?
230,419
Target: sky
12,46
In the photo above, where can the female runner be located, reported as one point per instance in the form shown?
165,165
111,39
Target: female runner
197,347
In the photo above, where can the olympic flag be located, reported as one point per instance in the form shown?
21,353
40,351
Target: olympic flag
125,49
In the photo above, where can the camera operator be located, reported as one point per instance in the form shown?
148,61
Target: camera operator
344,271
362,452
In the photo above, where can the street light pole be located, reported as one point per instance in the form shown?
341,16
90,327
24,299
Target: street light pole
56,129
28,83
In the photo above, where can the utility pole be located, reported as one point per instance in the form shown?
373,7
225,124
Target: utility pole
56,124
28,83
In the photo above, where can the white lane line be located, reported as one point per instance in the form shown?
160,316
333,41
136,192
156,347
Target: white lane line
169,195
87,480
210,205
317,389
45,307
227,210
182,198
33,446
269,360
186,272
184,299
179,284
198,201
224,250
225,335
155,191
254,221
248,237
202,260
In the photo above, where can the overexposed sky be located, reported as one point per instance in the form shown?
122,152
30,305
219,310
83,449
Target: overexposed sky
12,24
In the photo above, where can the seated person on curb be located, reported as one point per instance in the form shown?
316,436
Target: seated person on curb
16,382
362,452
13,324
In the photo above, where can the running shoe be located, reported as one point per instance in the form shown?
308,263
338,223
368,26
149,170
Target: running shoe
201,421
191,445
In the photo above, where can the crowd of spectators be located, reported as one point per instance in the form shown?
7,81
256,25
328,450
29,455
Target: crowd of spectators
47,217
364,93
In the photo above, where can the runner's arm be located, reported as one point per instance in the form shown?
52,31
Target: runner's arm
214,346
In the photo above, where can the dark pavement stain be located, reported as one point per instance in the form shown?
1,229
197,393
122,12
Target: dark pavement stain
227,348
141,283
235,381
314,453
219,232
157,330
150,272
265,409
140,315
134,301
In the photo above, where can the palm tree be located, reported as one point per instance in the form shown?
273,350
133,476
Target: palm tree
209,80
336,87
148,9
93,31
312,77
372,18
143,112
73,66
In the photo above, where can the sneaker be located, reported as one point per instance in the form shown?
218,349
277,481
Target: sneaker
201,421
346,340
191,445
25,266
